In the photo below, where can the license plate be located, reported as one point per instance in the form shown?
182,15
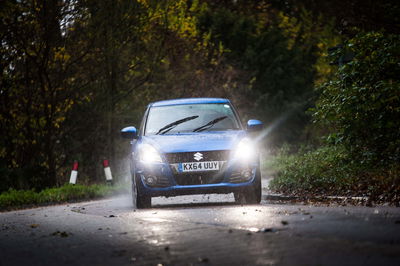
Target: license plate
199,166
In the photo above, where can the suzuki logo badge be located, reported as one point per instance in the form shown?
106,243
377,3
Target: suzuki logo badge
198,156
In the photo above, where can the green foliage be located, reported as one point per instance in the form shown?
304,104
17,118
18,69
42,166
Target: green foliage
330,170
361,105
360,108
310,171
350,15
74,72
40,84
279,56
19,198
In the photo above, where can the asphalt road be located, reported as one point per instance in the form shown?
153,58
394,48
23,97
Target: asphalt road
200,230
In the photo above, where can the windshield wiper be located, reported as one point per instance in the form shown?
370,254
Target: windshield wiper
170,126
210,124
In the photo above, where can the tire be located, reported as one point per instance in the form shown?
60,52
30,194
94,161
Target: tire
252,195
139,201
240,197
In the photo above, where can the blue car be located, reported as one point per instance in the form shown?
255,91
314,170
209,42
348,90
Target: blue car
194,146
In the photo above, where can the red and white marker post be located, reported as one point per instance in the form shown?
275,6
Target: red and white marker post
74,173
107,171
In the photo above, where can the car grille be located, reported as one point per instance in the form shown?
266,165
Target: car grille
162,181
236,177
198,178
182,157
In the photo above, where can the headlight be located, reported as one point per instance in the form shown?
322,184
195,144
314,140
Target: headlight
149,154
245,150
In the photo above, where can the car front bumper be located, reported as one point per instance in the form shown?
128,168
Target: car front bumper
233,177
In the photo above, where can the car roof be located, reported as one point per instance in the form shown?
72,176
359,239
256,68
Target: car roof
189,101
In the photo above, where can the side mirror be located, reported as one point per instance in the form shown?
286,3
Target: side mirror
254,125
129,133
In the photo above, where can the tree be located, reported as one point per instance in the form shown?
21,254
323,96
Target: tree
38,73
279,56
362,105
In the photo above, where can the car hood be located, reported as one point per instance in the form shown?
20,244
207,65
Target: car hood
191,142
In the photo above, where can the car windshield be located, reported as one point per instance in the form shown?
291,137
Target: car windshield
190,118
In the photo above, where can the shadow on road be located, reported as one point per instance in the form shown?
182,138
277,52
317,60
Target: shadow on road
192,205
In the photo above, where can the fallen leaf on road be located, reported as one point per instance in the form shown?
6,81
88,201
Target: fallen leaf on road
61,234
119,253
204,260
267,230
64,234
34,225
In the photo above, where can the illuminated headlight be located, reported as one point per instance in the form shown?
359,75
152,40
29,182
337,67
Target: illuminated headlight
148,154
245,150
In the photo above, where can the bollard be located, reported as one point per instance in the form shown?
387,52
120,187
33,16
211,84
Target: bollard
107,171
74,173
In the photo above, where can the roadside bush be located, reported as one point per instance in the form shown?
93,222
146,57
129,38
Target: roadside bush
330,170
362,105
20,198
310,171
361,109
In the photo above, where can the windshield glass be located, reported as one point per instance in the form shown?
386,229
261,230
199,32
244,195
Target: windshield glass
189,117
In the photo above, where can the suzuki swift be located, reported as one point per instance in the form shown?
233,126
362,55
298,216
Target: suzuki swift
193,146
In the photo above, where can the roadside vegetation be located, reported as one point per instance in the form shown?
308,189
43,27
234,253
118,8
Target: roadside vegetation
326,75
330,171
360,109
14,199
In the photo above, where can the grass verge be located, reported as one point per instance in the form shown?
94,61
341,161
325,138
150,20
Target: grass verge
330,170
14,199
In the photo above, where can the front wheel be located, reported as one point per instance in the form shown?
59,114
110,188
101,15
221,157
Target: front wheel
139,201
252,195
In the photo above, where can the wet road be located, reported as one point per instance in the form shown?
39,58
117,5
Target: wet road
199,230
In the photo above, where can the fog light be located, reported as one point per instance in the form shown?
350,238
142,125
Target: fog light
151,180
